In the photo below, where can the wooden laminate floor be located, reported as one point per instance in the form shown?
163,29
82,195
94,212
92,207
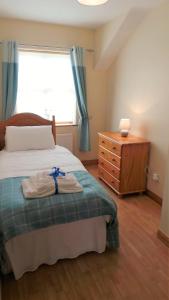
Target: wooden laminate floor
139,270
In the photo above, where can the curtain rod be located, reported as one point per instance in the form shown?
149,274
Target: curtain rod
61,48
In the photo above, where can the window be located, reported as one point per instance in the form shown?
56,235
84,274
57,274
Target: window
46,87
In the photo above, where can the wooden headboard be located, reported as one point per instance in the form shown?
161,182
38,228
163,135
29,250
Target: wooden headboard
25,119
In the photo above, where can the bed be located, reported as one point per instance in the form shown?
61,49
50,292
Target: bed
42,231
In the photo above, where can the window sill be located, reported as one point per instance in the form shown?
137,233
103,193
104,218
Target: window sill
65,125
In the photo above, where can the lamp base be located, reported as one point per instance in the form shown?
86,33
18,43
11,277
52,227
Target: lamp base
124,133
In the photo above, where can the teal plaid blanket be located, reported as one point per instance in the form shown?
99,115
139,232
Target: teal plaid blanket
19,215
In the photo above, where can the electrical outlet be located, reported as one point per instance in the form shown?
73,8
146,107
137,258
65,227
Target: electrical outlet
156,177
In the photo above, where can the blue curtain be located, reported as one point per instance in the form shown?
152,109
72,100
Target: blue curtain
79,76
9,78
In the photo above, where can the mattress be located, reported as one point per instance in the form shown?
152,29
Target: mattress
26,252
27,163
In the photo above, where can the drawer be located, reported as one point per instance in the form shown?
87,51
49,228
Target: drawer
112,158
114,171
113,182
110,145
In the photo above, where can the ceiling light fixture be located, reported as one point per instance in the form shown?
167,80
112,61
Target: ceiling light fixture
92,2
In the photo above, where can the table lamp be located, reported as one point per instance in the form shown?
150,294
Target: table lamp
124,127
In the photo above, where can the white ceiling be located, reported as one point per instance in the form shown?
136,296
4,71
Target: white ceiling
70,12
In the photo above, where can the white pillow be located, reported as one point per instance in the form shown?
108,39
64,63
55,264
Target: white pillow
19,138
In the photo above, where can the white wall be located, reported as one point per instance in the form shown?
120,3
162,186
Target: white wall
164,225
139,89
48,34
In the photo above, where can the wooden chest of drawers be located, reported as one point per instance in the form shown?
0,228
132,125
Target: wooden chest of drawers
123,162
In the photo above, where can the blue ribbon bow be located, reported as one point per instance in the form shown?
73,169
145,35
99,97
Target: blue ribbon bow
56,173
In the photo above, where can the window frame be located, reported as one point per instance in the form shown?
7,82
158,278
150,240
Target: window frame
51,50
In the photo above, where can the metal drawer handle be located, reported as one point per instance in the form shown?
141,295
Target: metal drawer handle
113,159
102,152
112,182
114,148
103,142
102,163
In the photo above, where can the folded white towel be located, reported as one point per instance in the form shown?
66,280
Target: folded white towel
43,185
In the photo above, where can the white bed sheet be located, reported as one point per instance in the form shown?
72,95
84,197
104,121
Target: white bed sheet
28,251
27,163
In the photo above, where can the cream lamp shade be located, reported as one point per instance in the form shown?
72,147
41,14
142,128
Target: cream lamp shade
124,127
92,2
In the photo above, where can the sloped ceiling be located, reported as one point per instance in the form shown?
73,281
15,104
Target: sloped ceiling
113,22
110,38
70,12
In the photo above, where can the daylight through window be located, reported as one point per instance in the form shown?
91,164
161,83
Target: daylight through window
45,86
